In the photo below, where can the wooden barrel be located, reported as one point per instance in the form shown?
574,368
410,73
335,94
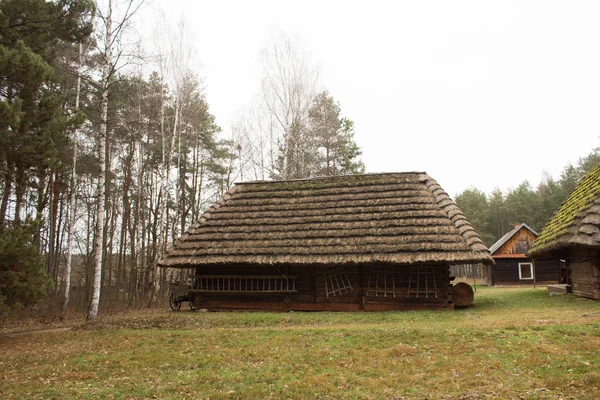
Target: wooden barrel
462,294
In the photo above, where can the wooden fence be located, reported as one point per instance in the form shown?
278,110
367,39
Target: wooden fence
472,272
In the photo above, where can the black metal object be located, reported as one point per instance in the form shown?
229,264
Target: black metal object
179,294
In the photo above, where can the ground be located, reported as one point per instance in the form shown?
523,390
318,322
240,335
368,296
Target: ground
515,343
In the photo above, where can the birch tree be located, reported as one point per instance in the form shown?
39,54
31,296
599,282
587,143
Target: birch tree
175,56
36,116
72,197
289,84
113,27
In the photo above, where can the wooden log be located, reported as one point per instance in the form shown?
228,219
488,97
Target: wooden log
462,294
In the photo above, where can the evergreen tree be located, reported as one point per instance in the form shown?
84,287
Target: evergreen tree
348,150
37,117
333,135
552,194
23,279
587,163
523,205
298,155
498,223
32,112
473,203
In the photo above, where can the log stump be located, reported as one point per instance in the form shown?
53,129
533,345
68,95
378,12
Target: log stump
462,294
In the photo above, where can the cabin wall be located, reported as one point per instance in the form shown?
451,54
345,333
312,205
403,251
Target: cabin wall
519,243
352,288
584,266
506,271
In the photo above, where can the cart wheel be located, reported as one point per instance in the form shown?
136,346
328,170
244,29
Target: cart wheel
192,304
175,305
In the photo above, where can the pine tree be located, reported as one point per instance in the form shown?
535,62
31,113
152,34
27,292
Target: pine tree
498,223
474,204
333,136
23,279
32,112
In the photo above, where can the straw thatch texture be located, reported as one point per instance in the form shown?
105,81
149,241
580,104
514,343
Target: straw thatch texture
577,221
402,218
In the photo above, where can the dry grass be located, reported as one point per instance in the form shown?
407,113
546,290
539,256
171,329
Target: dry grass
516,343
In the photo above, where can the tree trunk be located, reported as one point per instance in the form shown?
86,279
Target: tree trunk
101,193
58,239
51,222
72,199
8,177
19,191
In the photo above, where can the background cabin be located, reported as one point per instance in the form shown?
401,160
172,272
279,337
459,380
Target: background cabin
573,234
362,242
514,267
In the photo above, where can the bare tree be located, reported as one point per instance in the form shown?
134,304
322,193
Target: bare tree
112,52
72,197
254,131
175,55
289,84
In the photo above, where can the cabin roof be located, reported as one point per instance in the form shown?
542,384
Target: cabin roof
401,218
577,221
508,235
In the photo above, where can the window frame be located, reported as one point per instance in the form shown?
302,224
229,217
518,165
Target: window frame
530,269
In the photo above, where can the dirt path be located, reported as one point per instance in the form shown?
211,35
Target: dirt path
40,330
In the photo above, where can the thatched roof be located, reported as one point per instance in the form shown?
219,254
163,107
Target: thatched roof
577,221
401,218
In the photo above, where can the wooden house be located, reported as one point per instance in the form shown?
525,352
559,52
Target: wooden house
359,242
573,234
513,267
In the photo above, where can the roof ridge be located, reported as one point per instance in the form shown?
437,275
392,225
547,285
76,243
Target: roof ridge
249,235
506,237
317,178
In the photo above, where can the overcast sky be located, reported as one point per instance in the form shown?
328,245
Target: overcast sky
476,93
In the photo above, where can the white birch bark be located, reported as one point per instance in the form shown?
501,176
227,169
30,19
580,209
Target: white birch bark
72,199
101,193
289,83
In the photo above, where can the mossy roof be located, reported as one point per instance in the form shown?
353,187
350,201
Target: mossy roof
397,218
577,221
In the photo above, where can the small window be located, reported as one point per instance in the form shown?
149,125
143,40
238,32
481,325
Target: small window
525,271
522,247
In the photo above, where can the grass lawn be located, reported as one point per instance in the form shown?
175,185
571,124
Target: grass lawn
516,343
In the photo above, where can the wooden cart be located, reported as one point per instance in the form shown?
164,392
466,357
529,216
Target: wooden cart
178,294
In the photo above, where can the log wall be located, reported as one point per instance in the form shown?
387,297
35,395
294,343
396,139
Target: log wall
397,292
585,273
506,271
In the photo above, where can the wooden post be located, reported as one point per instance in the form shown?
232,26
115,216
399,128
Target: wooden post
313,283
533,267
361,287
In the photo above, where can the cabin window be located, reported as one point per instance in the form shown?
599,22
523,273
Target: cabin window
522,247
525,271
